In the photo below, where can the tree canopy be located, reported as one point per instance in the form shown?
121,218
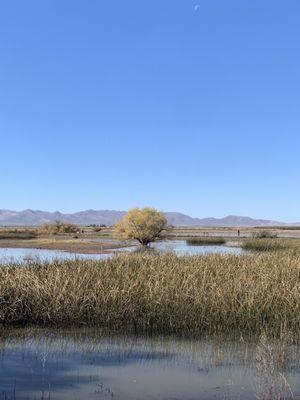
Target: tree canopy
142,224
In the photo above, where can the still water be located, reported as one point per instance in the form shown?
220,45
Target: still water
178,246
85,364
22,254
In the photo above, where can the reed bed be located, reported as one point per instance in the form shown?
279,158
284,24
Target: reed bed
158,293
263,244
205,241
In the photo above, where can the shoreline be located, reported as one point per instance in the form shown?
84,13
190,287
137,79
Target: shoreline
76,246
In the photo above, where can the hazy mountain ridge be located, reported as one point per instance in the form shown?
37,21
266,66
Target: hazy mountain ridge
109,217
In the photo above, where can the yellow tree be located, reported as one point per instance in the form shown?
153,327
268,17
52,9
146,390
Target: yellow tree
142,224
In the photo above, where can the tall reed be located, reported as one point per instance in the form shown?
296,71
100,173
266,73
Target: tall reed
158,293
263,244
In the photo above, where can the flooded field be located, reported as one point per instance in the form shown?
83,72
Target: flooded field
85,364
180,247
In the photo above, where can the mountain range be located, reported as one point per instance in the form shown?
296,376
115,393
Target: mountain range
109,217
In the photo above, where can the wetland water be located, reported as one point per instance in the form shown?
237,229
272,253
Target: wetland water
84,364
26,254
87,364
178,246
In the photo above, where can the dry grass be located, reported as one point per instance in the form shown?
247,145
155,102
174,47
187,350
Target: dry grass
273,359
152,293
20,234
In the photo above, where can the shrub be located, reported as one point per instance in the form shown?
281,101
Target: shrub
265,235
58,227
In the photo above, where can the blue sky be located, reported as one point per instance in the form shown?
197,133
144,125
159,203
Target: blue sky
190,106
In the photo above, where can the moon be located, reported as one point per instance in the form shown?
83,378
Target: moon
196,7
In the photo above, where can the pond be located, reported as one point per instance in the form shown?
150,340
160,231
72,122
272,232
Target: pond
85,364
178,246
25,254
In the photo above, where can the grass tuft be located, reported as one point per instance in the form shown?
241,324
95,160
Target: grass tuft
204,241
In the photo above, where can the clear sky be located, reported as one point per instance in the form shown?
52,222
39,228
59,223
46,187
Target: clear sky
190,106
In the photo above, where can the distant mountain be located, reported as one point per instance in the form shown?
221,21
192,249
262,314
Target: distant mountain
233,220
110,217
34,218
178,219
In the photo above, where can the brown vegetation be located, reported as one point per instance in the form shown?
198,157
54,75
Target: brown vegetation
169,294
57,228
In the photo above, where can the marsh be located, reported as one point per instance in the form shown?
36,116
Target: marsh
92,364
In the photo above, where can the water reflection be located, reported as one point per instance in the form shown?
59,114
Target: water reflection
83,364
8,255
180,247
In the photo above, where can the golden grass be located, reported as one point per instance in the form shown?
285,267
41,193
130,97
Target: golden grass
152,293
